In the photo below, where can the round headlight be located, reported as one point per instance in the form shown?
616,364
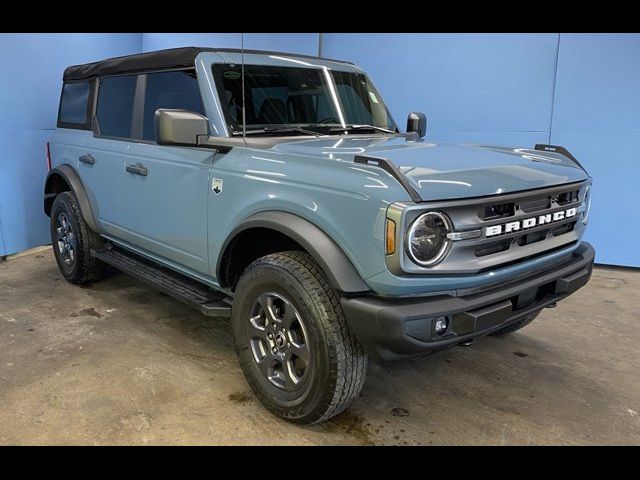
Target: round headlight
427,241
587,204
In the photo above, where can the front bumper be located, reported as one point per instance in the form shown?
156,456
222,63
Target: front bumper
395,328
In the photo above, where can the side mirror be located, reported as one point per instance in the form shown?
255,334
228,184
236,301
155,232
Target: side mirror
179,127
417,122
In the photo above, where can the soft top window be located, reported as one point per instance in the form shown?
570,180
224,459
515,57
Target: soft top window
73,104
115,105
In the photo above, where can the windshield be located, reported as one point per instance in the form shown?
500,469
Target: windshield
300,100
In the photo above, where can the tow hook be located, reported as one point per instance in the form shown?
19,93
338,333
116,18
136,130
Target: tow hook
466,343
552,305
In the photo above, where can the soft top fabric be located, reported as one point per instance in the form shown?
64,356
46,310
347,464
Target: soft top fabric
183,57
172,58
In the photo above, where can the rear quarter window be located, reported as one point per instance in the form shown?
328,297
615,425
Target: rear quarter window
73,104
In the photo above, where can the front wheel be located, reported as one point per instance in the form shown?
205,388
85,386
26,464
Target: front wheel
294,346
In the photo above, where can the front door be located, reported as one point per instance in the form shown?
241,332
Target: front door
166,187
166,202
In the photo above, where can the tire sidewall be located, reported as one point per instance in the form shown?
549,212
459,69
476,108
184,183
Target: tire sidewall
311,398
61,205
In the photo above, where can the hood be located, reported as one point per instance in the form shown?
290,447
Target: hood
447,170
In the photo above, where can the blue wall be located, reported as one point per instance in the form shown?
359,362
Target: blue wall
31,67
489,88
596,115
577,90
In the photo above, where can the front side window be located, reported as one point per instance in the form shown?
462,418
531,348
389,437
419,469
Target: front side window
316,99
169,90
115,105
73,104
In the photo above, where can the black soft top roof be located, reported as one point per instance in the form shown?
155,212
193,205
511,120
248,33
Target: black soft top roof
172,58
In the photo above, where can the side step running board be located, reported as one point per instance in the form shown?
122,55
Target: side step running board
209,302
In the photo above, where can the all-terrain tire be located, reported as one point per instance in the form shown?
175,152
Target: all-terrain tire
517,325
83,268
337,363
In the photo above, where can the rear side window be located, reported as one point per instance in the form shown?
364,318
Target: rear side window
73,104
115,105
169,90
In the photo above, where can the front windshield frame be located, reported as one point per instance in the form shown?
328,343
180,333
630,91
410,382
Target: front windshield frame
331,82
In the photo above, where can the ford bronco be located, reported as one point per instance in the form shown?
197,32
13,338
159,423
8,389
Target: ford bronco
276,190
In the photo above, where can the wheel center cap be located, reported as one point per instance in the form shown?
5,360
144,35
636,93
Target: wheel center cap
280,340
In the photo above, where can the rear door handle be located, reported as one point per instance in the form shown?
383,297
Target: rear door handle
137,169
88,159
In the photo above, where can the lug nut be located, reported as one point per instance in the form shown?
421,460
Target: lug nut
270,336
274,350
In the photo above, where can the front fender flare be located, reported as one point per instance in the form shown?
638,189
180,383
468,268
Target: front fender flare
72,178
339,270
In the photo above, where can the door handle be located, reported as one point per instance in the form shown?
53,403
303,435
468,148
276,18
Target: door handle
88,159
137,169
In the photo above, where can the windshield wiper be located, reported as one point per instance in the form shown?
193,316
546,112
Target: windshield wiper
279,130
349,128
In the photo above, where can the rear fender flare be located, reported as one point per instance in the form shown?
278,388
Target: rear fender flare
71,177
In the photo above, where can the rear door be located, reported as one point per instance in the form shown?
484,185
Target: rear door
166,187
102,164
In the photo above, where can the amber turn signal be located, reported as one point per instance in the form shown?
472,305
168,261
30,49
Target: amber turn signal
390,243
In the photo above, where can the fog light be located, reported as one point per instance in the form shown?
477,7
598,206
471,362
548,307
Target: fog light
441,326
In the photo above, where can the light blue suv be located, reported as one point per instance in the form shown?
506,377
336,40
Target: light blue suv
276,189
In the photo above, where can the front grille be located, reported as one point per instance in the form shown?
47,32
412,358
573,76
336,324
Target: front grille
493,212
536,204
533,237
566,198
487,249
492,248
525,239
566,228
527,205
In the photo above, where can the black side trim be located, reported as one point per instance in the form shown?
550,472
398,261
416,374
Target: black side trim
558,149
217,143
191,292
73,180
336,265
392,169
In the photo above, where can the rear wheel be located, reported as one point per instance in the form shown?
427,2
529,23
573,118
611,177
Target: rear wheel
72,241
517,325
294,346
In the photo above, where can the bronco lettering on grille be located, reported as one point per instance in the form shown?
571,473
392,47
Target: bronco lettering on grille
517,225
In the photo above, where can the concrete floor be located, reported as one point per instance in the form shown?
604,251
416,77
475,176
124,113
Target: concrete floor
119,363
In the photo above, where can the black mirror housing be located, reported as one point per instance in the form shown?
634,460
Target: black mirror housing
417,122
179,127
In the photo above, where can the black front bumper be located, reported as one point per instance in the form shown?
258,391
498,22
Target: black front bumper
396,328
